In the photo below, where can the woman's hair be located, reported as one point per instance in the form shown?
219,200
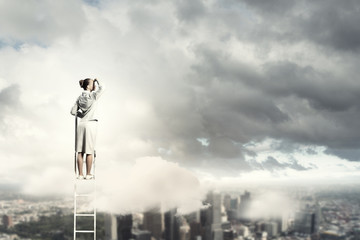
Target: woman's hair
84,83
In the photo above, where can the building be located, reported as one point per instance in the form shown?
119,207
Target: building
227,202
124,226
172,225
231,215
184,232
332,235
211,218
110,227
283,222
306,222
234,203
244,206
271,228
196,230
7,221
141,235
154,222
229,234
243,231
118,227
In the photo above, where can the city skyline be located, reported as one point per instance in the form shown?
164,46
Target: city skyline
200,95
321,214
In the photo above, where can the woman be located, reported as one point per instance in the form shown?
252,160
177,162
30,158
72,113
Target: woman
85,109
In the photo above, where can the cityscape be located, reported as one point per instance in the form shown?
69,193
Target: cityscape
331,213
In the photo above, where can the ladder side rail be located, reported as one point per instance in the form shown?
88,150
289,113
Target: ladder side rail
94,202
82,195
75,154
75,207
75,192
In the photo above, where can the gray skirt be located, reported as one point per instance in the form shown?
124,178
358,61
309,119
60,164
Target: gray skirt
86,137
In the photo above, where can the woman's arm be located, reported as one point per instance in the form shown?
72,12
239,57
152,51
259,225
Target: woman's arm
74,109
99,91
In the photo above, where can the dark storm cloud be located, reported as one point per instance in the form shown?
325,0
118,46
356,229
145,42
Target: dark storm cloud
226,112
348,154
234,101
245,104
224,147
190,10
321,89
230,103
241,104
280,79
332,24
273,7
272,164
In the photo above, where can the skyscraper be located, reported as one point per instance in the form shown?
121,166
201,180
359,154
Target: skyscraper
227,202
118,227
124,226
110,227
172,228
184,232
196,230
271,228
234,203
244,207
154,222
212,218
283,222
306,222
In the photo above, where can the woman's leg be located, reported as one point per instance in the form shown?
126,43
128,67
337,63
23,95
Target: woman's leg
89,161
80,161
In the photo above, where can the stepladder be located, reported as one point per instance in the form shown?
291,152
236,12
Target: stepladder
84,199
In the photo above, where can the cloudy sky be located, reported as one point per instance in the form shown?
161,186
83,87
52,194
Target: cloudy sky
231,92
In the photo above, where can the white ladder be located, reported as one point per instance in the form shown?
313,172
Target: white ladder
90,197
78,195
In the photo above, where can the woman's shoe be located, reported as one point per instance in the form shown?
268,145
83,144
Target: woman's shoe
88,177
80,177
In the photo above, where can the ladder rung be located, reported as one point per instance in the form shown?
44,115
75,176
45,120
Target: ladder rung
85,214
84,231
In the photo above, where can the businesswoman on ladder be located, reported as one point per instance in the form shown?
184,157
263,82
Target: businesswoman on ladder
85,108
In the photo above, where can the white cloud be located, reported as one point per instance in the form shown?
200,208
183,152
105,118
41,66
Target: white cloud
150,182
124,188
53,181
271,204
